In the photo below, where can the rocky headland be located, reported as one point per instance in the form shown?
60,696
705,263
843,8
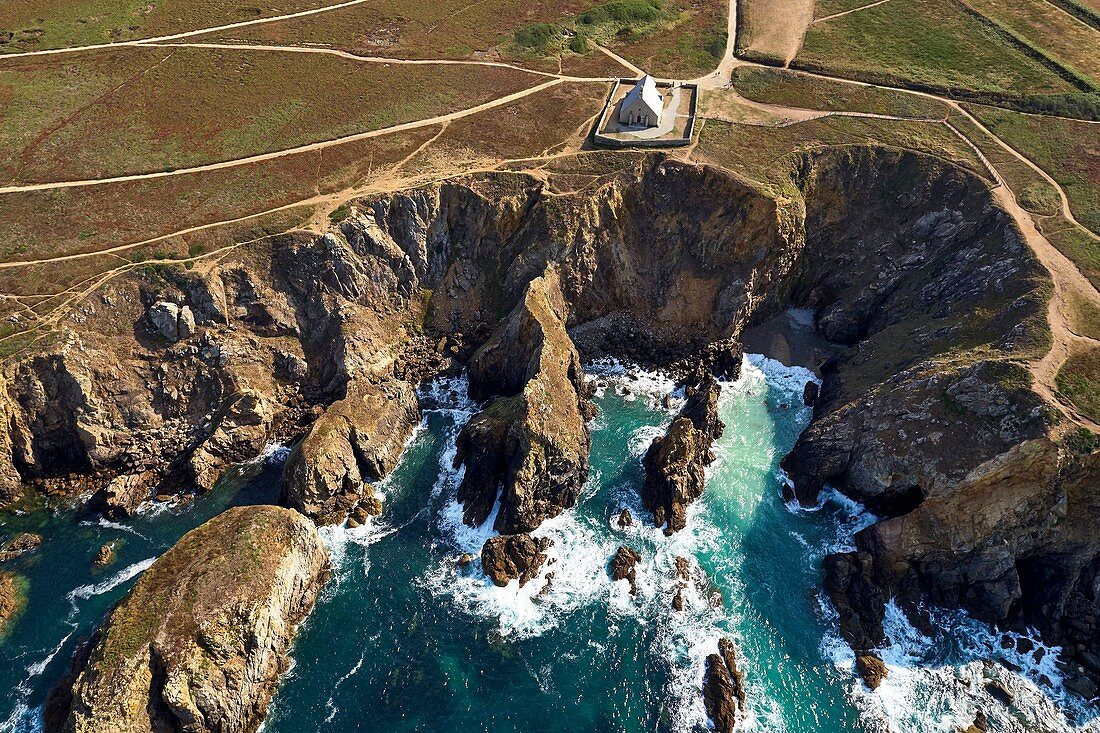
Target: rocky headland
923,286
200,640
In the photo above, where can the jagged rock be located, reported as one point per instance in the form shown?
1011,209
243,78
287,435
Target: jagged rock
858,600
623,567
723,688
12,600
871,669
626,519
105,555
505,558
200,640
999,692
980,724
810,393
21,544
172,321
721,359
122,495
674,463
357,440
528,449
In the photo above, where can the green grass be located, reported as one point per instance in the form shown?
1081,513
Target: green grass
793,89
1066,149
1079,382
930,44
1084,316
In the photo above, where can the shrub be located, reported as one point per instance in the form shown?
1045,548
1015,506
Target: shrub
622,12
536,36
578,43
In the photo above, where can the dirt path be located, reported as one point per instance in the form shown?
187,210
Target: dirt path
616,57
185,34
848,12
325,51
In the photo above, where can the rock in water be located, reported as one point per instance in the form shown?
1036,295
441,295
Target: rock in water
21,544
623,567
105,556
723,688
674,463
200,640
529,448
810,393
626,519
505,558
871,669
12,599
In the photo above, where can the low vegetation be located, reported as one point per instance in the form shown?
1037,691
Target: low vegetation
943,46
794,89
1079,381
771,31
187,106
1068,150
34,25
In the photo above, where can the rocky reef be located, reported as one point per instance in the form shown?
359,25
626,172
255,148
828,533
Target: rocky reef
200,640
509,557
723,688
918,279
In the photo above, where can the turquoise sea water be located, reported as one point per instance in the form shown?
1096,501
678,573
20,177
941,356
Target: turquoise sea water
403,639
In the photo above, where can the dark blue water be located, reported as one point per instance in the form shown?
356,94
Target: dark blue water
403,639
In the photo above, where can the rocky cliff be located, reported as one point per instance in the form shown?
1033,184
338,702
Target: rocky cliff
921,282
200,640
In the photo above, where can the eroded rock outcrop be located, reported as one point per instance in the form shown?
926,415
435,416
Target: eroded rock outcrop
529,450
356,441
505,558
200,640
723,688
675,463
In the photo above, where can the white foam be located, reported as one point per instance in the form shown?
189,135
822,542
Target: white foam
122,576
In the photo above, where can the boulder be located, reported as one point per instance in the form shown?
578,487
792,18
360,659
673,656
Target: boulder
810,393
200,640
723,688
123,494
872,669
505,558
105,556
626,519
172,321
623,567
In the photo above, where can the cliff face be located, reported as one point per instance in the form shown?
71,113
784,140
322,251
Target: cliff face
923,284
200,640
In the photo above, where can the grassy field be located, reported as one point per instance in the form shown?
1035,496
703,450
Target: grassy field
1079,381
825,8
41,224
1065,41
1085,320
1068,150
677,38
185,107
767,154
933,44
771,31
33,25
794,89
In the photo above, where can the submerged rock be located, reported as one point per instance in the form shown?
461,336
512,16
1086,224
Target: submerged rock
19,545
199,642
723,688
505,558
12,599
674,464
623,567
